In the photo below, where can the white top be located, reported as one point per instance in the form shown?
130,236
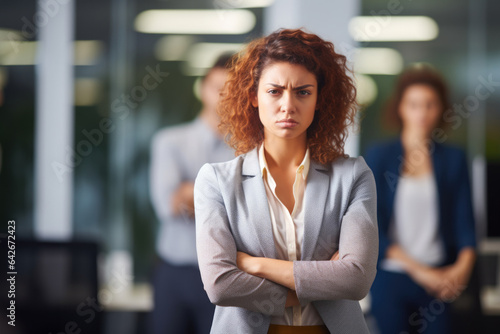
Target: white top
415,224
288,233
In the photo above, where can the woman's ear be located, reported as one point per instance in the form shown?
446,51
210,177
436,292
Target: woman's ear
255,102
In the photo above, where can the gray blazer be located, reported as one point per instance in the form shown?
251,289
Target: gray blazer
232,214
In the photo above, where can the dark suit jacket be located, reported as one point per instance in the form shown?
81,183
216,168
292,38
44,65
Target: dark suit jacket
456,219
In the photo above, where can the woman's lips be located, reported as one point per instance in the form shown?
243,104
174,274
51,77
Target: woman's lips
287,123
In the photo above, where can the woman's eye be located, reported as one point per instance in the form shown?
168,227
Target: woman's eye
273,91
304,92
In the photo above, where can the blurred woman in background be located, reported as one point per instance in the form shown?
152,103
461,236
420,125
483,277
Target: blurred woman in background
426,225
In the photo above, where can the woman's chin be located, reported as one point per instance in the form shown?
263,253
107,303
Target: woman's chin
289,134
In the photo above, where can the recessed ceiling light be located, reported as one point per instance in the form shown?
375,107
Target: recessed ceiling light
204,55
24,53
219,4
377,61
366,89
187,21
393,28
20,53
173,47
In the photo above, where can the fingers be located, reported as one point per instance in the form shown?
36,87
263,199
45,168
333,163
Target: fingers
452,289
244,262
335,256
182,202
240,256
442,283
445,289
292,299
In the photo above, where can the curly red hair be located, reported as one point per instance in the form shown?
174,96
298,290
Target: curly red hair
335,108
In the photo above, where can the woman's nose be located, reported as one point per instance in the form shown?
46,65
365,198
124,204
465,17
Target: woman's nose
287,103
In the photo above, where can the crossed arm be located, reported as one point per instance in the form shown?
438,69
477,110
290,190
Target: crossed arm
278,271
170,198
232,278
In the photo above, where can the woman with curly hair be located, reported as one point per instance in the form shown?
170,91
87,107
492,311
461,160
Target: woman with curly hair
287,232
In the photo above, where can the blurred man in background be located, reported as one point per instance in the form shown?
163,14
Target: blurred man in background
180,302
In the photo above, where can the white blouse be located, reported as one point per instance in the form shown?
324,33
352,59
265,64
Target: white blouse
415,223
288,233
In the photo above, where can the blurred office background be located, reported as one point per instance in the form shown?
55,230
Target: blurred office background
85,84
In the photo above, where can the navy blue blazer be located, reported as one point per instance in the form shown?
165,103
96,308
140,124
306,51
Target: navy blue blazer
456,219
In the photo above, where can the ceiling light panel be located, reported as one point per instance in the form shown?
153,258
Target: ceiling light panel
206,21
393,28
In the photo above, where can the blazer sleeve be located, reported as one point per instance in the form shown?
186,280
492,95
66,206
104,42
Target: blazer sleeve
464,215
225,284
352,275
373,159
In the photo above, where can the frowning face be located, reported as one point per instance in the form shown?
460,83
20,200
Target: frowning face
286,100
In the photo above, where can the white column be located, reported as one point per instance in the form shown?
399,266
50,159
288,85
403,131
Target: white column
328,19
118,229
54,120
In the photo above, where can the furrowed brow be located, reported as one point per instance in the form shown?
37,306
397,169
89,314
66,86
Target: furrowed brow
296,88
302,87
276,85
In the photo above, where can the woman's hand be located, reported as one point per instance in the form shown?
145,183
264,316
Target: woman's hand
456,276
274,270
183,200
445,283
247,263
454,283
431,279
278,271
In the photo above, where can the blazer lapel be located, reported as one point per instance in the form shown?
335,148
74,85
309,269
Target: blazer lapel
256,200
318,184
394,166
438,167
